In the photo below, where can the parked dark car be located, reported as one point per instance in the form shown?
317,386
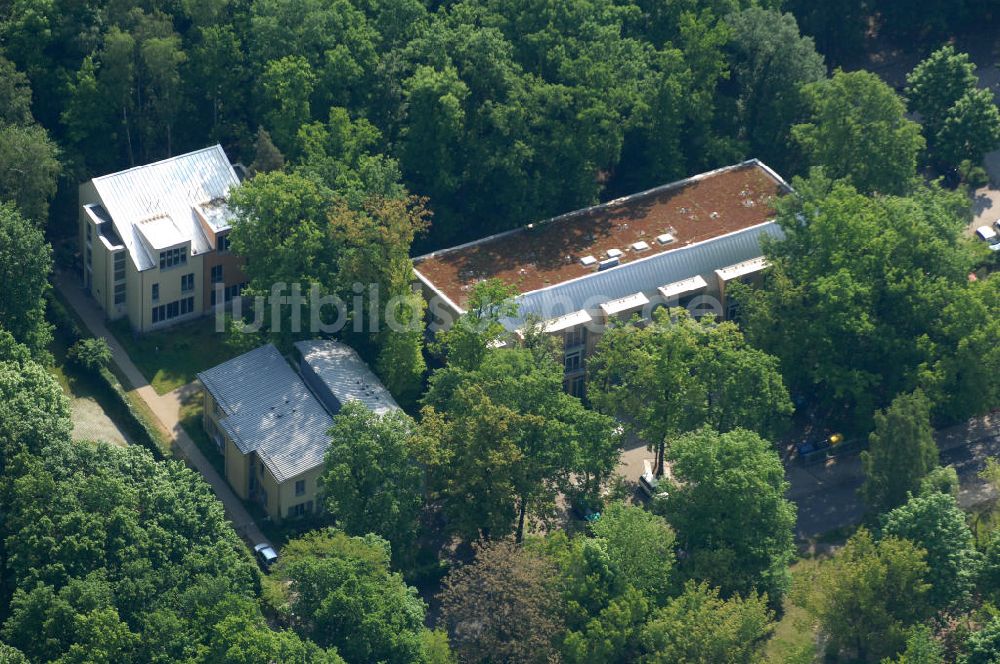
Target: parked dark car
266,556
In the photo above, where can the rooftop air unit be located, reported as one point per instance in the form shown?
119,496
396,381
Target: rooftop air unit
607,264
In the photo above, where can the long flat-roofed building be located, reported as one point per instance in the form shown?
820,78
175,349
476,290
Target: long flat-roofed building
677,245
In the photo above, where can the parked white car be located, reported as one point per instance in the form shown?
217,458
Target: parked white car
989,236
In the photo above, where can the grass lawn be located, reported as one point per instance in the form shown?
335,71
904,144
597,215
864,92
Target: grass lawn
795,634
170,358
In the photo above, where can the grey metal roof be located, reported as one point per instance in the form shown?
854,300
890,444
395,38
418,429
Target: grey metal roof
269,410
166,194
346,375
645,275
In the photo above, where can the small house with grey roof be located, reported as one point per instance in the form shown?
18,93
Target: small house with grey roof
155,239
270,421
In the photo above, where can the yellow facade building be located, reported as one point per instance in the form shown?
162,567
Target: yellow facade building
270,421
155,239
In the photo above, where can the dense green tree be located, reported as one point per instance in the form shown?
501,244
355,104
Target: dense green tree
935,84
901,452
217,79
964,378
868,594
335,39
700,627
640,546
15,95
341,154
33,409
679,373
858,130
503,606
728,506
25,263
29,168
373,244
466,343
111,556
857,299
771,62
162,58
921,648
340,592
91,354
971,129
370,481
935,523
507,440
267,157
983,646
286,87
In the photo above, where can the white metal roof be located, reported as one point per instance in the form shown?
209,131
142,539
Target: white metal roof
269,410
645,274
682,287
171,188
627,303
581,317
346,375
742,268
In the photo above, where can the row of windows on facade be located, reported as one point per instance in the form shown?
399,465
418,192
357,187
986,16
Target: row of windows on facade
172,257
229,293
173,309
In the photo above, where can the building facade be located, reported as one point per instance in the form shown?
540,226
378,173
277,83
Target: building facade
270,422
680,244
155,240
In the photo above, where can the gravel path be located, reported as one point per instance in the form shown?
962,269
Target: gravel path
90,422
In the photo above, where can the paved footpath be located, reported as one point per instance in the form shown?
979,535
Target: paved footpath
166,408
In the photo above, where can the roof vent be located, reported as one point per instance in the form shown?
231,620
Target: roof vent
666,238
614,253
607,264
587,261
640,246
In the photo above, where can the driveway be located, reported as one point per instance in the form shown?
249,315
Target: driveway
827,494
165,408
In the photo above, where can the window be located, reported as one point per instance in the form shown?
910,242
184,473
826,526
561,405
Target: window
156,292
90,256
300,487
119,293
173,257
90,232
573,361
120,266
576,336
575,386
216,274
173,309
222,244
300,509
187,283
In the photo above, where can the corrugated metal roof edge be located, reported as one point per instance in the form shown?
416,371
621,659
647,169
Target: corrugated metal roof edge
217,146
